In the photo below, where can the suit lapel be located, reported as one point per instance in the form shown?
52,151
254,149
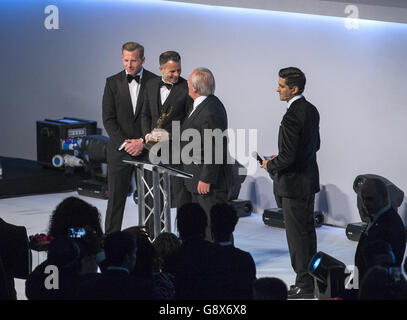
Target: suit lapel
196,113
124,88
157,95
175,91
140,98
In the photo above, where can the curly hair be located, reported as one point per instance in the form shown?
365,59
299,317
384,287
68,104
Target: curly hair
165,244
73,212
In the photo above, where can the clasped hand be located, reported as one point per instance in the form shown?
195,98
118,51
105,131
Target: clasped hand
134,146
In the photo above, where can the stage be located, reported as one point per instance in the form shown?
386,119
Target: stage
267,245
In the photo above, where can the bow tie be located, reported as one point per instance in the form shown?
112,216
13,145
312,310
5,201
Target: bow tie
168,85
130,78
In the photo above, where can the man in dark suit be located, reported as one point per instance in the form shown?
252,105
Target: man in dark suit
197,263
116,282
239,269
166,98
122,104
385,224
166,95
296,171
207,120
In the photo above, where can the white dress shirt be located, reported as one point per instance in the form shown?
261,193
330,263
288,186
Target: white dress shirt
197,102
294,99
134,88
164,92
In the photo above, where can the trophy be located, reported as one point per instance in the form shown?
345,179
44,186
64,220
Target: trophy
159,134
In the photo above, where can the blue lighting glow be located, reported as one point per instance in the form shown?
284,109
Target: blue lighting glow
365,22
229,9
316,263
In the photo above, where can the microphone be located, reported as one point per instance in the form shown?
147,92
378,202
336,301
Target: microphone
256,156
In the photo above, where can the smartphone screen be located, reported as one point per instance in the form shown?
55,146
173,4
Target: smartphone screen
76,232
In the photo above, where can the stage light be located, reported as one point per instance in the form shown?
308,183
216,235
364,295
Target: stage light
329,275
316,263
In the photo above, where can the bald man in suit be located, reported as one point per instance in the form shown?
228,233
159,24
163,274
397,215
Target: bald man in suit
211,177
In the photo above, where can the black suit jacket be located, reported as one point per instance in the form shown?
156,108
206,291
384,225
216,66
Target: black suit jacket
239,273
178,99
388,227
195,266
119,120
210,114
296,165
115,285
14,254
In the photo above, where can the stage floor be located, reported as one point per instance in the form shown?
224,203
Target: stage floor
267,245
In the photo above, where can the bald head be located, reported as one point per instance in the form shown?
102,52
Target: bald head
201,82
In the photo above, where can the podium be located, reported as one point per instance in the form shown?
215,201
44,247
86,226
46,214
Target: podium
161,185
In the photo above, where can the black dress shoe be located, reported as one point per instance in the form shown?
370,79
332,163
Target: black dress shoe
300,293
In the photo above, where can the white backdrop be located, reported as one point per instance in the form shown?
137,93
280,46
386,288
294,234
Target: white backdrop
356,78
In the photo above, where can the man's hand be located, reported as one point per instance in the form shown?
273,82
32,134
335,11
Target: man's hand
203,188
264,164
134,146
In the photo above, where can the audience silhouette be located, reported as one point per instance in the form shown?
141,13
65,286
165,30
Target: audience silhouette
147,266
117,282
269,289
385,224
383,283
190,267
240,270
58,276
196,265
14,257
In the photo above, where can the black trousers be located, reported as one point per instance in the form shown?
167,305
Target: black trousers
119,176
119,180
301,236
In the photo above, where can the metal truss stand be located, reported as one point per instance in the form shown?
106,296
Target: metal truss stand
161,188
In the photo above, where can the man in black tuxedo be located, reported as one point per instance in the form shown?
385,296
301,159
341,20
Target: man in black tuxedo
166,97
296,171
211,174
122,104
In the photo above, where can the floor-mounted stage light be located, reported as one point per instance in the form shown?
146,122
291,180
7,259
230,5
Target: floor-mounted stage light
329,275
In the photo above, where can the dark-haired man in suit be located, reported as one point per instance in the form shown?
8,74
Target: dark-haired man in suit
211,174
122,104
297,174
166,97
168,94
